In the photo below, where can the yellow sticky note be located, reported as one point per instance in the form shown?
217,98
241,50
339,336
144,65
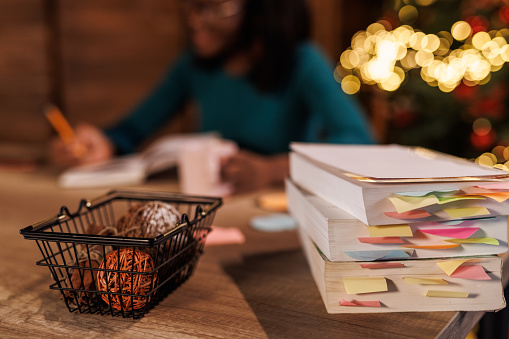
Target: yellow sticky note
390,231
404,203
446,294
425,281
451,265
445,200
488,241
466,212
357,285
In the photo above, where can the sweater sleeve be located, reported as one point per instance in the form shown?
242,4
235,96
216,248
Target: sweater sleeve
340,116
158,107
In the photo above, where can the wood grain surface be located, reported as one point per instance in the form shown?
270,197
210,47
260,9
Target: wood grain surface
261,289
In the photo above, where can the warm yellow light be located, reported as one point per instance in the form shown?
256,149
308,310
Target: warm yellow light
480,39
408,14
461,30
375,27
402,34
423,58
504,53
408,61
391,83
416,40
350,84
430,42
424,2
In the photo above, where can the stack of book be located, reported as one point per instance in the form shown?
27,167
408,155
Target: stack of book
386,228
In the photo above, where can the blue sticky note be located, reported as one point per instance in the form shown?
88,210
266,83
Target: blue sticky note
378,255
274,223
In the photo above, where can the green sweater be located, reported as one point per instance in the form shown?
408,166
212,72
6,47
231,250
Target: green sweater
311,108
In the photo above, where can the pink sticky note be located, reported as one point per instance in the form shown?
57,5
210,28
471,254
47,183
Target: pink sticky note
225,236
360,303
496,186
415,214
457,232
382,265
380,240
474,272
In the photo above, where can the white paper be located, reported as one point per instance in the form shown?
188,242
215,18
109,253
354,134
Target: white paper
392,161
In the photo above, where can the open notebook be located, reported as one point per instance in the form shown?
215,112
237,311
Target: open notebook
163,154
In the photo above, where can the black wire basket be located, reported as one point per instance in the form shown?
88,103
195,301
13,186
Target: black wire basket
111,274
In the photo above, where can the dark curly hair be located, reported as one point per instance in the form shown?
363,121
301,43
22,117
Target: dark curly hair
280,26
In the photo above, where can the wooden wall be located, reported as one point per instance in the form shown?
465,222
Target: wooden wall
24,77
97,58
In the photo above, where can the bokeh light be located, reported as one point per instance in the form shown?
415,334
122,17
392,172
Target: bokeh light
381,56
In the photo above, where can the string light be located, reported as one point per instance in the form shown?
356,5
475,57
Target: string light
382,56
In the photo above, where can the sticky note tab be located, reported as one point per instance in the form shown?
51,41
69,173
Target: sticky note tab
446,294
408,203
415,214
498,196
425,281
474,272
455,232
390,231
451,265
466,212
431,247
445,200
424,193
487,241
225,236
496,186
380,240
378,255
379,265
360,303
451,222
358,285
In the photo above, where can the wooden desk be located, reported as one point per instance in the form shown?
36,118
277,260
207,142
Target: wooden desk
258,290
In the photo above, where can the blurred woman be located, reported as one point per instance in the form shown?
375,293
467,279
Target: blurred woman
256,80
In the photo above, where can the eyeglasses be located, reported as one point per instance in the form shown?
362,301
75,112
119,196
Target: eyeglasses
211,10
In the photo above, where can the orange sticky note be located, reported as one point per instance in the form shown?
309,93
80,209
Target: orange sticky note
360,303
380,240
498,196
432,247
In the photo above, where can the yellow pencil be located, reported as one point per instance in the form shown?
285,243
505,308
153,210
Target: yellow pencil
64,129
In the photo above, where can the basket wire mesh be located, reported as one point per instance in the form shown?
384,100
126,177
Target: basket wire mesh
73,256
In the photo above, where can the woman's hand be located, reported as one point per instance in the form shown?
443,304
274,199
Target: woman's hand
248,171
90,146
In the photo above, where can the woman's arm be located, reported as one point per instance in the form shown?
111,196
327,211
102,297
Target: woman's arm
157,108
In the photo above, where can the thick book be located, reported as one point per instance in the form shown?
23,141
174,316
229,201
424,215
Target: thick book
392,184
470,284
341,237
